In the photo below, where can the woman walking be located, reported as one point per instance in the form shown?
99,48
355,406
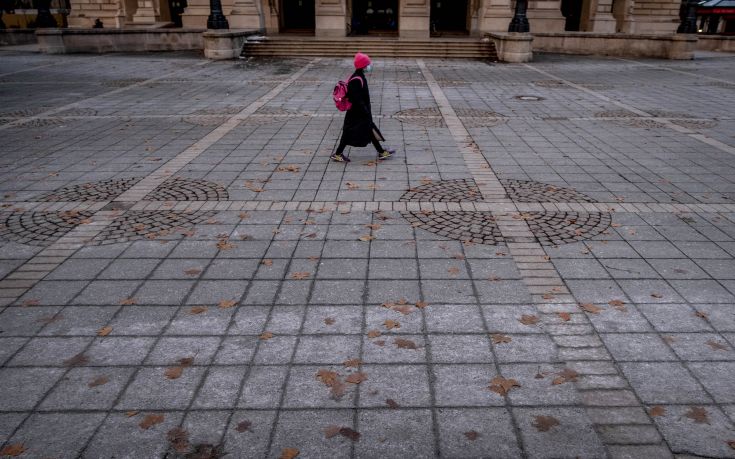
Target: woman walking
359,129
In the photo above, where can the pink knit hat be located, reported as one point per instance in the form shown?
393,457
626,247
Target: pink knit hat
361,60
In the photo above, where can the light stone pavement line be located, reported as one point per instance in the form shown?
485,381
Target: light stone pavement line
415,206
665,121
60,61
12,288
165,171
607,397
52,111
683,72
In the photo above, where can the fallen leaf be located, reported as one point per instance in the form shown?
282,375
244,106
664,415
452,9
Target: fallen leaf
545,423
566,375
186,361
366,238
565,316
356,378
374,226
392,403
373,333
502,385
352,363
471,435
104,331
380,342
402,301
173,372
352,186
289,453
453,270
130,414
731,444
421,304
198,310
327,377
499,339
702,315
716,346
289,168
265,336
98,381
150,421
179,439
698,414
30,302
331,431
127,301
224,244
616,303
227,304
405,343
403,309
329,321
300,275
243,426
16,449
591,308
548,296
528,319
193,272
77,360
391,324
657,411
349,433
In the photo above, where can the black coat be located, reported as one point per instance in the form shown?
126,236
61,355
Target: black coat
359,127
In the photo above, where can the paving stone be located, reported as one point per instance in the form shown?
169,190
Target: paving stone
121,434
493,426
49,433
661,382
304,430
686,436
403,433
579,437
150,389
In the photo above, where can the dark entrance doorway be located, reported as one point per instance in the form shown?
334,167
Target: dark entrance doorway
176,8
572,11
374,17
449,17
298,16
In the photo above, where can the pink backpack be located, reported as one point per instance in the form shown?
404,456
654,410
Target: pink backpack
340,95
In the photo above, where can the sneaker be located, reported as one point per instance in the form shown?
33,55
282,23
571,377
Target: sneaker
340,158
385,154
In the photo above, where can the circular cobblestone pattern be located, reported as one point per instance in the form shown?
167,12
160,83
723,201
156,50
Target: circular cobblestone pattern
555,228
476,227
78,111
39,228
445,191
432,117
150,224
104,190
530,191
184,189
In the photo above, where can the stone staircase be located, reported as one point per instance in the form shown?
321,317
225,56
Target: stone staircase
440,48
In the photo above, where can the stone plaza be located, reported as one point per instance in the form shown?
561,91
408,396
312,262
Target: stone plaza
545,268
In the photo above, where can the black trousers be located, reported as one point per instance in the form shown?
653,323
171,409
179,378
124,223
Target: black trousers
373,139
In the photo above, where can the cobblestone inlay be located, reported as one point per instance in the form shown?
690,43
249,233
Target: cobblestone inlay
42,122
449,83
616,114
228,110
104,190
475,227
78,111
640,123
444,191
204,120
531,191
431,117
123,83
137,225
185,189
39,228
556,228
22,113
695,124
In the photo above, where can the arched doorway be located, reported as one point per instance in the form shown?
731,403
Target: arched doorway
374,17
450,17
298,16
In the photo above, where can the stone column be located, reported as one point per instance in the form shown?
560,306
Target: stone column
494,16
545,16
597,17
245,14
623,13
413,19
331,18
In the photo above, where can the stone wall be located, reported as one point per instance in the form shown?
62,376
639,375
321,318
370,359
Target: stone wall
672,46
10,37
64,41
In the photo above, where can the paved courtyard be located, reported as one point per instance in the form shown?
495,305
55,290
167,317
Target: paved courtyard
546,268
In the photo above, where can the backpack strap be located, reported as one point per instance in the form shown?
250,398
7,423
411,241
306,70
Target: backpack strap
362,83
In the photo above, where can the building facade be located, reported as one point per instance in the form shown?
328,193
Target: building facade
412,19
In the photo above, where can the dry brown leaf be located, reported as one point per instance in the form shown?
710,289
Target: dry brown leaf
127,301
329,378
349,433
98,381
243,215
405,343
502,385
616,303
731,444
374,226
657,411
173,372
698,414
186,361
391,324
548,296
373,333
352,363
31,302
329,321
77,360
352,185
14,450
403,309
702,315
226,304
656,295
224,244
130,414
150,421
566,375
300,275
565,316
471,435
179,439
499,339
265,336
193,272
402,301
528,319
267,262
545,423
421,304
453,270
392,403
716,346
331,431
243,426
591,308
356,378
104,331
289,453
366,238
198,310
